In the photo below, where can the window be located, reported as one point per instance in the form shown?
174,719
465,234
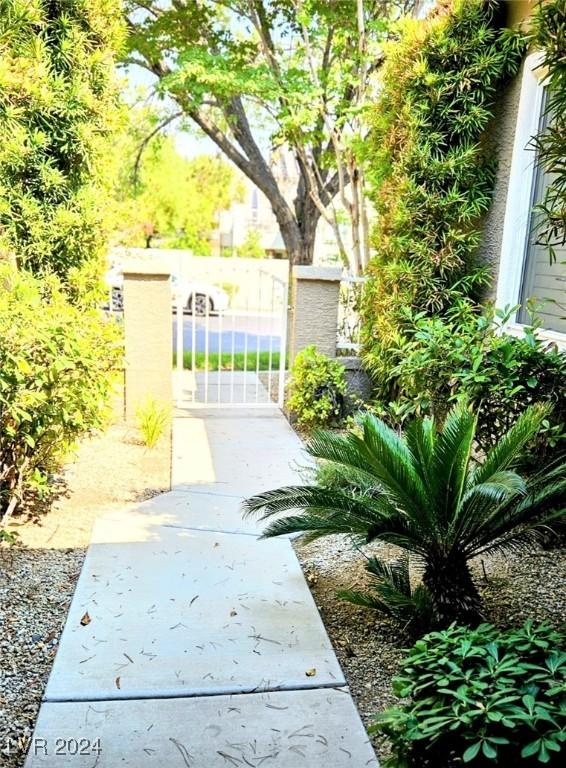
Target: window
526,273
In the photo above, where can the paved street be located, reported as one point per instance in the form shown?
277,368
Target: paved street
234,331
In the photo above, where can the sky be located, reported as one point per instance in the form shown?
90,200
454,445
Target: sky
189,144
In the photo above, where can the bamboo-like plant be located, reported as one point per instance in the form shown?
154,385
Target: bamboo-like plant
425,493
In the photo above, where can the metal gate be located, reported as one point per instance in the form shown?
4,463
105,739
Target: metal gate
230,347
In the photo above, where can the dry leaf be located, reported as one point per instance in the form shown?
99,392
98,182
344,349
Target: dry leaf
85,619
117,683
310,672
233,612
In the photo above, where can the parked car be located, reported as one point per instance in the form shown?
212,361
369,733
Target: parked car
206,297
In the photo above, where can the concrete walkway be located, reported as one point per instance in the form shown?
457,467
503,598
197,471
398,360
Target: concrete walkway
188,641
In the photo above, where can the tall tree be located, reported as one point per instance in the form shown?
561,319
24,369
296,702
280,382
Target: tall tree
163,194
59,106
255,75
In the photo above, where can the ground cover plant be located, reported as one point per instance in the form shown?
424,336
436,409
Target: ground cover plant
424,493
153,419
481,697
240,361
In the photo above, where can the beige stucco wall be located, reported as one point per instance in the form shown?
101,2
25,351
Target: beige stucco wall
502,135
148,332
314,310
518,11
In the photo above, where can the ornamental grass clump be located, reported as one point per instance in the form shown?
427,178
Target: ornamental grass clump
425,493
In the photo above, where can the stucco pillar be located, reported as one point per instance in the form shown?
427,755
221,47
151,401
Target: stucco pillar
148,331
314,309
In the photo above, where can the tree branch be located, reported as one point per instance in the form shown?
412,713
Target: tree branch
147,139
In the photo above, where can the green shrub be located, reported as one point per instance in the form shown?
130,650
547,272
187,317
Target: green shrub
481,697
466,356
59,112
152,418
317,389
56,364
425,493
431,168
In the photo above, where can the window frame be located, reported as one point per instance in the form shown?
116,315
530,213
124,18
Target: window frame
519,202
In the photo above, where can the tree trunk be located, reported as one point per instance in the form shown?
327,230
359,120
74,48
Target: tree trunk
298,233
453,592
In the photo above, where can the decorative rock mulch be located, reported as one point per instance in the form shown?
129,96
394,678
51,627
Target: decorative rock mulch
514,587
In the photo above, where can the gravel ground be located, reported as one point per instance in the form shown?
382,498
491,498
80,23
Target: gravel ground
38,577
514,588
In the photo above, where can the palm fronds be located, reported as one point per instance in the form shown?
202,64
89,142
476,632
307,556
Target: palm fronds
425,493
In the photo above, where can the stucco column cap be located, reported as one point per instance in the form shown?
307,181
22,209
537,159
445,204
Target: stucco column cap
156,267
308,272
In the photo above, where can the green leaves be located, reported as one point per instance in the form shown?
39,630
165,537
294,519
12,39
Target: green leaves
316,389
59,110
425,494
432,170
480,695
57,365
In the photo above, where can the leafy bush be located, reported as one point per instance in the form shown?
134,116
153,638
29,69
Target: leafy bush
152,419
467,356
480,697
56,364
316,389
59,111
424,493
432,171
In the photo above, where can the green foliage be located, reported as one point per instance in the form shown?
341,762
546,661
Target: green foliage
262,74
549,35
425,493
392,593
152,419
316,389
431,168
240,361
466,356
170,200
56,366
59,108
481,697
251,248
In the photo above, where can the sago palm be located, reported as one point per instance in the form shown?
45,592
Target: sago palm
425,493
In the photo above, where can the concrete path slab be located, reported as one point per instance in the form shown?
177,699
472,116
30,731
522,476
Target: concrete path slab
198,510
198,389
187,613
235,454
191,643
305,729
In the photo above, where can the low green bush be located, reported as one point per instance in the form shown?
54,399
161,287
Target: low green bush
317,389
56,375
467,356
481,697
